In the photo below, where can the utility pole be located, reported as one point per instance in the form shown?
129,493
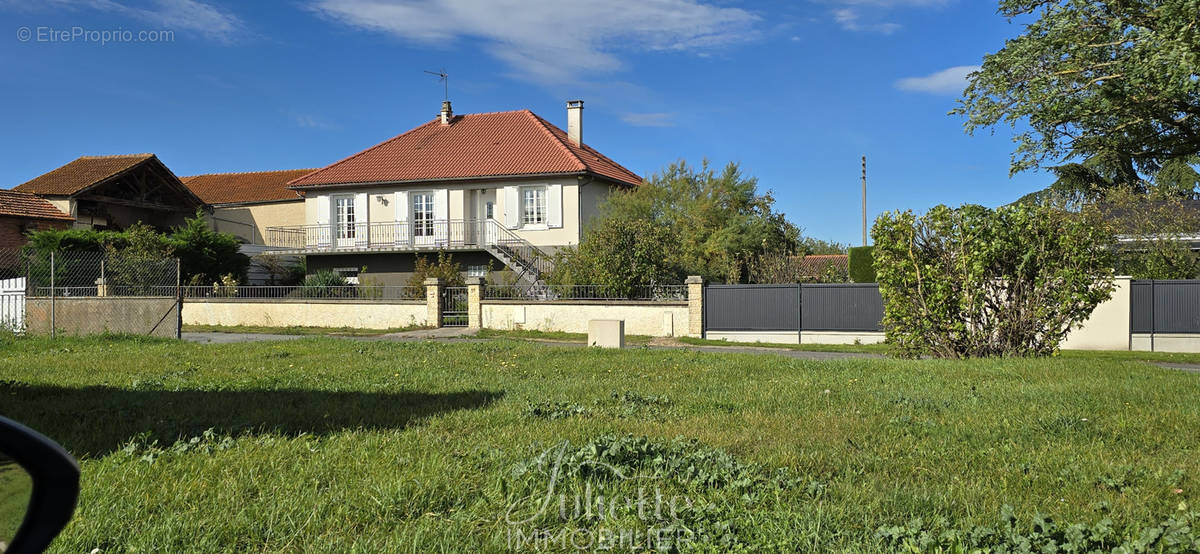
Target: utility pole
864,200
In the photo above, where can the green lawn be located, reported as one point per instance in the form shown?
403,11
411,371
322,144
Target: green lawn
15,487
337,446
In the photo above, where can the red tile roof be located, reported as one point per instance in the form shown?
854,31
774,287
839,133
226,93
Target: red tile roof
254,186
816,265
484,145
22,204
81,173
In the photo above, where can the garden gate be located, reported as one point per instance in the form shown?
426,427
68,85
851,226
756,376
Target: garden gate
454,307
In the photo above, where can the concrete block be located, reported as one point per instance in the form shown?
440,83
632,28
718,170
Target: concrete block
606,333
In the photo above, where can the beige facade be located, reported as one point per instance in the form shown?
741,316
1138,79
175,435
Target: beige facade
1108,326
250,221
569,203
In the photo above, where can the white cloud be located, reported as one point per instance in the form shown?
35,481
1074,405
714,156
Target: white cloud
947,81
183,15
306,121
872,15
656,119
552,41
850,20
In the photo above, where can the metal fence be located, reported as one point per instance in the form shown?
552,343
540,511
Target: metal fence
382,293
648,293
793,307
88,292
1164,306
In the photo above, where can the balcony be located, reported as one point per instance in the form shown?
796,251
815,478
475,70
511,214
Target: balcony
455,234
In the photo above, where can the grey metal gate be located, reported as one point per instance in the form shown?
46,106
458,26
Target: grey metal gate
1164,306
841,307
752,308
454,307
793,307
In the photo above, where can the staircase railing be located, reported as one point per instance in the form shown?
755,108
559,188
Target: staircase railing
533,260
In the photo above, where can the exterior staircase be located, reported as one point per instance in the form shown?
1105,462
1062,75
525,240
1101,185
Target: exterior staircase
530,263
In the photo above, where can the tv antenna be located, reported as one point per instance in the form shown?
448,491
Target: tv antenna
443,78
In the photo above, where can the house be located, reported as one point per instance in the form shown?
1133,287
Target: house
21,213
499,189
246,204
822,267
114,192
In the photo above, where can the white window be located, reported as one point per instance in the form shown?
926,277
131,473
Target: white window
533,205
489,209
477,271
422,206
344,216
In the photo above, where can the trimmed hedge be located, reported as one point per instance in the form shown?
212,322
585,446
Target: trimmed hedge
862,264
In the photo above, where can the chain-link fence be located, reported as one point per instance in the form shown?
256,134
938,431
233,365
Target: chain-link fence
81,293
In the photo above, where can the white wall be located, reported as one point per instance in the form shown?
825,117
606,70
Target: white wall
314,313
654,319
1108,326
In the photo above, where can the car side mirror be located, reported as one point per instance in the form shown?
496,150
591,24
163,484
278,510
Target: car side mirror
39,485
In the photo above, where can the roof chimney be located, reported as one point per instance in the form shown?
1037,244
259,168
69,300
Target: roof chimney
447,113
575,121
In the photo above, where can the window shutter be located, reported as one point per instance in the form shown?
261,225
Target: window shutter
322,235
554,215
402,231
361,220
512,207
441,201
323,205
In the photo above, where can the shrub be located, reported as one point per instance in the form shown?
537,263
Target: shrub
444,268
618,255
205,256
976,282
282,271
862,264
325,284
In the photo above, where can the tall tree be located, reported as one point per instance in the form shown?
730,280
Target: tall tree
719,219
1116,78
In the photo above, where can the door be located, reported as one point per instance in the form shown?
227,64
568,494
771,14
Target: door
12,305
344,229
487,211
454,307
422,218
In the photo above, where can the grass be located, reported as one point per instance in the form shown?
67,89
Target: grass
15,488
339,446
296,330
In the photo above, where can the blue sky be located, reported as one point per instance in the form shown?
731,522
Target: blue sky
794,91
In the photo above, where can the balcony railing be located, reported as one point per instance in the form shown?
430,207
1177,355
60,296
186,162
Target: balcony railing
432,235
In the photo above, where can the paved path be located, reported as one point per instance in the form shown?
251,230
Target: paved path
1194,368
230,338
